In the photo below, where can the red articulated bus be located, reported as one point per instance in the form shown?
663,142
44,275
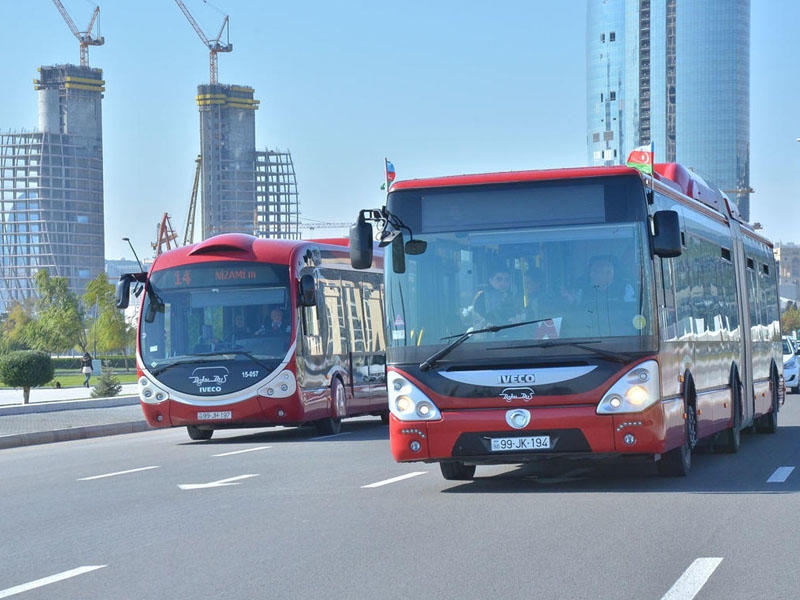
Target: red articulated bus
573,313
237,331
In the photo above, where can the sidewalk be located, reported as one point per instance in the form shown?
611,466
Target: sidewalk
57,415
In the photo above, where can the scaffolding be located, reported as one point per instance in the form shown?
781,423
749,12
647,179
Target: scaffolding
277,212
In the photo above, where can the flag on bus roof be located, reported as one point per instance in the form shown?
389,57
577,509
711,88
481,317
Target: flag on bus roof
390,174
642,158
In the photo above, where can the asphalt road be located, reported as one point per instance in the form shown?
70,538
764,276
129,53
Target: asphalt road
282,513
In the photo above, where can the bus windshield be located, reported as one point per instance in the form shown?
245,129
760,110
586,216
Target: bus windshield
570,277
216,310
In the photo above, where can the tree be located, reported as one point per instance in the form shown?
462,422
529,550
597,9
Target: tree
26,369
108,331
59,326
15,329
790,319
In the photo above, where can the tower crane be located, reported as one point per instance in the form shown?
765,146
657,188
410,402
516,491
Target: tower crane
84,37
214,46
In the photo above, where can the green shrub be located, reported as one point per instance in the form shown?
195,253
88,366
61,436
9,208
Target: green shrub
107,383
26,369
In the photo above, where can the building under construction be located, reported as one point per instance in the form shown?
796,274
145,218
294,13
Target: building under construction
51,187
243,190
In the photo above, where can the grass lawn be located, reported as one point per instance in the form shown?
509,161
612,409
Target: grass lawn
69,378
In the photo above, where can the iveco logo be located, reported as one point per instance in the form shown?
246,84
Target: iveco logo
518,418
516,378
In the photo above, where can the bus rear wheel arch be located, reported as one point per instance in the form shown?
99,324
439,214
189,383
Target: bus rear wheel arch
332,424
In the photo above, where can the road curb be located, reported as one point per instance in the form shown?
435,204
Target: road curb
73,433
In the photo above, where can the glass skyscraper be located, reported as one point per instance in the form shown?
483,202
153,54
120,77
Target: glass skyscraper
675,73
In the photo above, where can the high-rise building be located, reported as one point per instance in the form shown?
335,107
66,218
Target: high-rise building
51,187
243,190
675,73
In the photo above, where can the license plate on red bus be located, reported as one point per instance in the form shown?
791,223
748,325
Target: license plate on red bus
508,444
214,416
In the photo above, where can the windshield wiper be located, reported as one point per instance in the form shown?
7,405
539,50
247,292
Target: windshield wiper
463,337
205,356
615,356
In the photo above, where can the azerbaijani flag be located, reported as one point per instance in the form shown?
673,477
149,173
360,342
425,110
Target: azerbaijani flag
642,158
390,174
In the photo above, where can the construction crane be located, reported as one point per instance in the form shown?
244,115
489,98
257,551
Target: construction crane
165,236
313,225
214,46
188,233
84,37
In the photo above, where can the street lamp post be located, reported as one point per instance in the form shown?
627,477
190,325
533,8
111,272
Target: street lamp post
126,239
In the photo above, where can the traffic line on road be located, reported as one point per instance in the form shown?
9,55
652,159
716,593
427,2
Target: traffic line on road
242,451
25,587
330,436
780,475
117,473
394,479
693,579
213,484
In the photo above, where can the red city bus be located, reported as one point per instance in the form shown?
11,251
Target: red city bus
573,313
237,331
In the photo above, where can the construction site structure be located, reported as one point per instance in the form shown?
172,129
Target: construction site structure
51,187
214,46
277,212
166,238
85,38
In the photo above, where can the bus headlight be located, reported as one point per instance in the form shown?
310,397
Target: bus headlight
151,393
407,402
635,391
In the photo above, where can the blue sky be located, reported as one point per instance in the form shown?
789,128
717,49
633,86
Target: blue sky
438,87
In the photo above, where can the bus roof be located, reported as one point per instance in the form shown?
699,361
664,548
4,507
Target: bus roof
672,175
239,246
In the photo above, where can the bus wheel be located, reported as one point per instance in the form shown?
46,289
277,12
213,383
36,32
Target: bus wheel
457,470
732,439
196,433
768,423
333,424
678,461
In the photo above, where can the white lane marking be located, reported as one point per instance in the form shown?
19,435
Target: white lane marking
213,484
780,475
331,436
394,479
693,579
25,587
117,473
242,451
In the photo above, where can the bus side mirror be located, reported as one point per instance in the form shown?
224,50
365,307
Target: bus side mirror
666,234
361,244
122,296
307,290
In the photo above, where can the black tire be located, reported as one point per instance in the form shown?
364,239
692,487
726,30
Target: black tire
198,434
333,424
457,470
768,423
732,437
678,461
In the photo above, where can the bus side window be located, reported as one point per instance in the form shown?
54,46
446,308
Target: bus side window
312,338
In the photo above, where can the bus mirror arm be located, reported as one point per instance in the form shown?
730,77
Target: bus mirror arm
666,237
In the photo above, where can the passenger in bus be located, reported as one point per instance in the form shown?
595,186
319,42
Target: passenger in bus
206,342
275,326
240,328
497,303
606,303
